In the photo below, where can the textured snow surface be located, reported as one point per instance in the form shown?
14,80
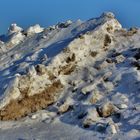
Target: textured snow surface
97,62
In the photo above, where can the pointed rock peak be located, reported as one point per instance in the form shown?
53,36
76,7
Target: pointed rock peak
109,22
14,29
108,15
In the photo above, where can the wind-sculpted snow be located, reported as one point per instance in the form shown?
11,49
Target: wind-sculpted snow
84,74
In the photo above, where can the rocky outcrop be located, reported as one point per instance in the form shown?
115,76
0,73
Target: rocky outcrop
29,93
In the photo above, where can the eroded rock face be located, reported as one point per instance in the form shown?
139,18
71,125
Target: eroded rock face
27,94
28,104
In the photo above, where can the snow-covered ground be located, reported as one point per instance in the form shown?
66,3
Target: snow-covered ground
74,80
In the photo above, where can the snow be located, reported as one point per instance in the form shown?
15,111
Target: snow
14,29
34,29
12,92
15,39
95,62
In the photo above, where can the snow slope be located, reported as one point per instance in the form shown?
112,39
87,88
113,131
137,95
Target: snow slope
73,80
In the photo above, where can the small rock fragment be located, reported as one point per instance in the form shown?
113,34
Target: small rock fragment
120,59
108,86
107,109
111,129
63,108
100,127
91,118
103,65
34,30
122,106
41,69
137,107
66,106
94,97
31,71
120,100
34,117
107,40
107,76
87,88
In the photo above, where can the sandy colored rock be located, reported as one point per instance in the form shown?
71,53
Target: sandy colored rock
91,118
95,97
111,129
107,109
29,104
65,106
